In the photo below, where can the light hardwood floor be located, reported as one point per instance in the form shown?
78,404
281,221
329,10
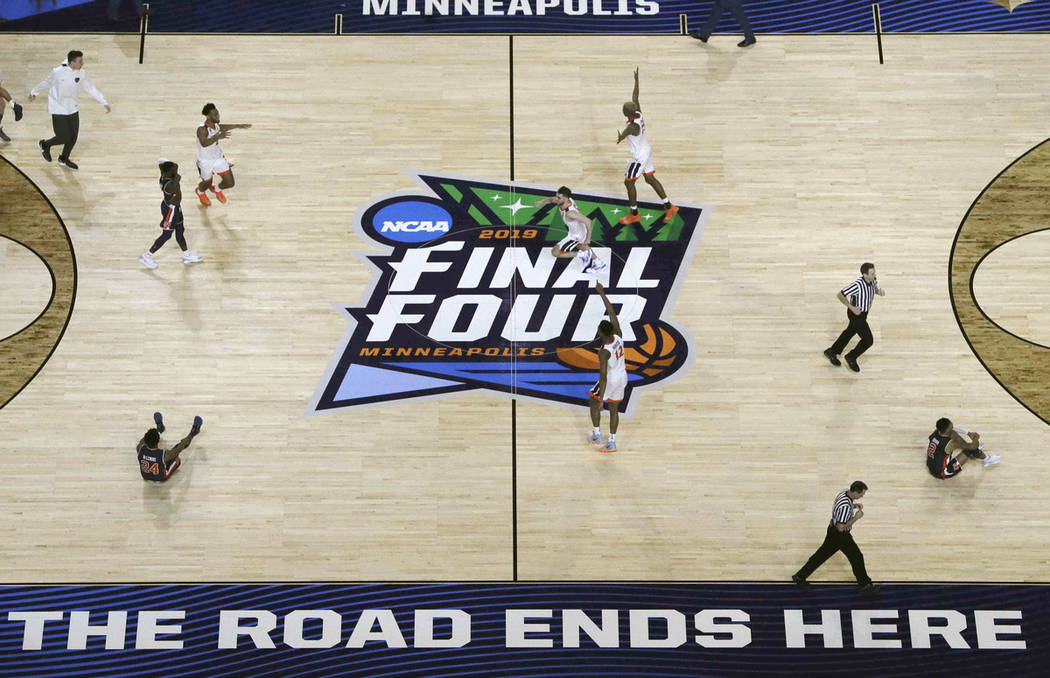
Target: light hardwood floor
815,158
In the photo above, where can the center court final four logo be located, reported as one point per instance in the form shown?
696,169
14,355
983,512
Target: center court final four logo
468,297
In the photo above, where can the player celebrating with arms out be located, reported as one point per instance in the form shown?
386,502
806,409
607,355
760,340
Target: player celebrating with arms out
641,160
612,378
577,242
210,159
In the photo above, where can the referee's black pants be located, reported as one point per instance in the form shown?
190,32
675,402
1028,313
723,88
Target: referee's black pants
858,324
66,127
837,541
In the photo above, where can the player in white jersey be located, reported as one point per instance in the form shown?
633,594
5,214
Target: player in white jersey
641,163
613,376
210,160
5,96
577,242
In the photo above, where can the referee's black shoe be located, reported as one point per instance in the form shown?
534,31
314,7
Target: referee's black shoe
870,587
795,579
852,364
18,111
832,358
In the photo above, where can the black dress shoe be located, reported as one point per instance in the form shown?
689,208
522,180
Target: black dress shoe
746,42
832,358
698,36
799,580
870,587
852,364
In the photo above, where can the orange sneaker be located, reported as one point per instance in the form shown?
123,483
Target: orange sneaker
219,194
631,219
670,212
203,197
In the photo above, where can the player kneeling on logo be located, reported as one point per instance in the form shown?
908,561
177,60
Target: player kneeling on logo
948,438
612,378
156,463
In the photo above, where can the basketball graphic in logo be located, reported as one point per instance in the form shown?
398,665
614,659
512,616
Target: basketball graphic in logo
653,357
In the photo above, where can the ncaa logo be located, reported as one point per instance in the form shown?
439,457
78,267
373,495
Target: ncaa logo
465,296
410,221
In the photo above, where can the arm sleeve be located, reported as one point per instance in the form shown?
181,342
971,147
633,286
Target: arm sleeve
89,87
842,514
850,290
46,84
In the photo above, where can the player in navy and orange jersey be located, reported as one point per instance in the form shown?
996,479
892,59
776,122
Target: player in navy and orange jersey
612,378
210,158
156,463
641,163
171,216
948,438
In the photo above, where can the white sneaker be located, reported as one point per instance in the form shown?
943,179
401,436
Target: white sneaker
592,265
189,257
992,460
147,260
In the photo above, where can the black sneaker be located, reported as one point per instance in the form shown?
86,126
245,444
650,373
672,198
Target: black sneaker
44,150
4,137
160,422
832,358
68,164
197,423
852,364
18,111
795,579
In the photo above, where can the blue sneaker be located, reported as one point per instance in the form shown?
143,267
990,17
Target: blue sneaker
609,446
160,422
197,423
595,439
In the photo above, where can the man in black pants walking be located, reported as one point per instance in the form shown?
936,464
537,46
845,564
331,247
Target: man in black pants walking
63,87
839,538
737,8
857,297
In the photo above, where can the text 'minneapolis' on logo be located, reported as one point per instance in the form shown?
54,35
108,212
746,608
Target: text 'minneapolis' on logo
467,297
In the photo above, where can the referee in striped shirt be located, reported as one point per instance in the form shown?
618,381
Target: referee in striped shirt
838,538
857,298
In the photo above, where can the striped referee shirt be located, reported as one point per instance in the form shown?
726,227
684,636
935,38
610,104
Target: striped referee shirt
842,511
861,293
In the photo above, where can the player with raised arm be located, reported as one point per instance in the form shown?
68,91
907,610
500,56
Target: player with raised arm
641,163
156,463
577,242
612,380
210,159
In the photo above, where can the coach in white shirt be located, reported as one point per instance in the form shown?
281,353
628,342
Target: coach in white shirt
63,89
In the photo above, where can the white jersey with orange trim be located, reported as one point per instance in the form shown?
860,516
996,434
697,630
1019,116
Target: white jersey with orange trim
616,366
641,151
206,155
577,229
616,373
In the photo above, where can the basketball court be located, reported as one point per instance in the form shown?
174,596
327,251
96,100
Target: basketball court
809,158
